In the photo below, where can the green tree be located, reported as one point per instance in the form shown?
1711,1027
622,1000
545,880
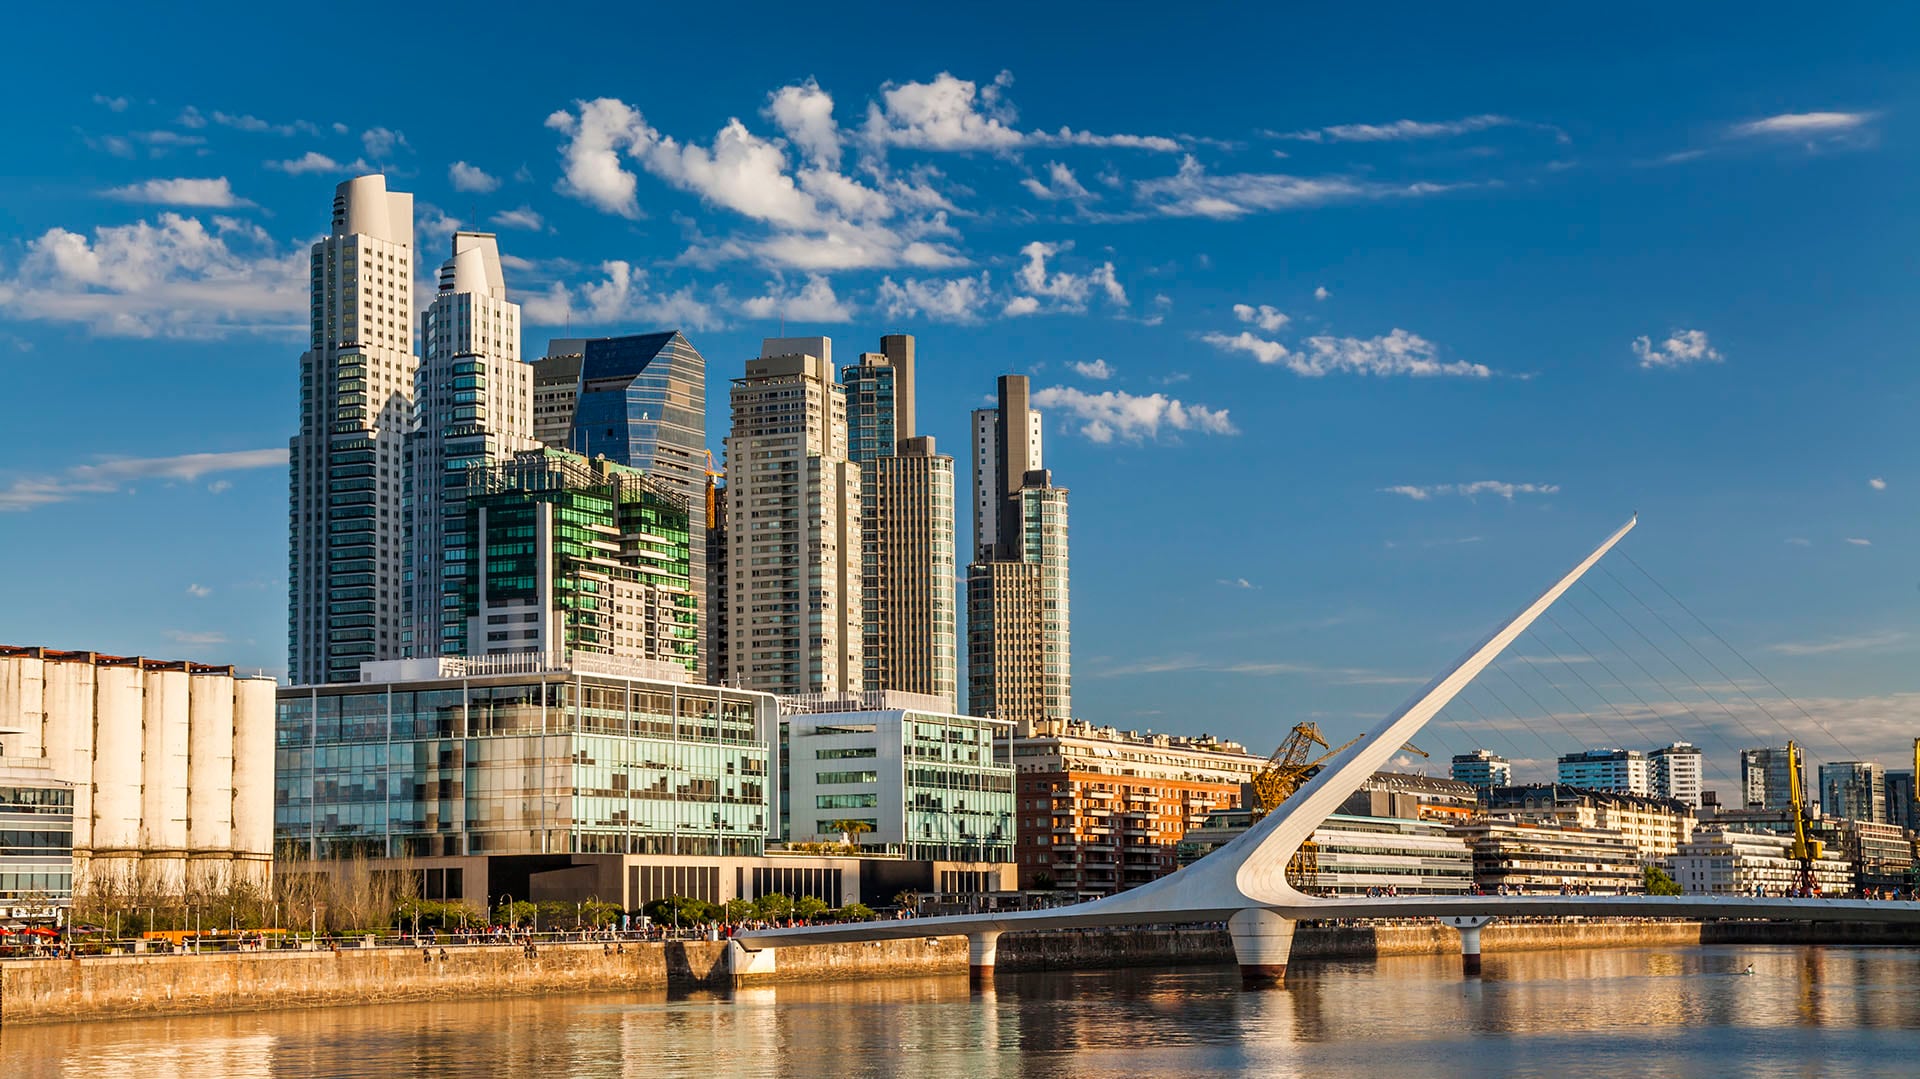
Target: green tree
809,907
856,912
774,906
906,899
1658,883
599,914
680,910
739,910
519,912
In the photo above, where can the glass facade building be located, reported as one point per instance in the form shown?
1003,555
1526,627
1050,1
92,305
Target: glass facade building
473,760
36,843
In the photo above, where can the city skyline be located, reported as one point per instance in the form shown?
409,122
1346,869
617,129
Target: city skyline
1541,310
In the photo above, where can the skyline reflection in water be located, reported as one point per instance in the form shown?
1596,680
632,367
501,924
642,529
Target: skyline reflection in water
1688,1012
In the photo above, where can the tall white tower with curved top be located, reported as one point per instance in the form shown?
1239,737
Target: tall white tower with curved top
473,406
346,566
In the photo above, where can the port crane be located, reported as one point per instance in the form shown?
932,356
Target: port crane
1806,849
1292,764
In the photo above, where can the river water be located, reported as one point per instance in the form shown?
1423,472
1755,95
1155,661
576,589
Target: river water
1668,1012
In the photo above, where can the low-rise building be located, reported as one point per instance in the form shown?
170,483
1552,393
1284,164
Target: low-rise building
1623,770
1482,768
36,838
1542,856
1355,855
1881,854
1719,860
1100,810
1414,797
1655,826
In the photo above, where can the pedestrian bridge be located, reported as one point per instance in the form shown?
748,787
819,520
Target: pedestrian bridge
1244,883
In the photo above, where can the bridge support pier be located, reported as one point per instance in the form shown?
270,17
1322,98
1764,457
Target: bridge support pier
1262,941
1469,927
982,948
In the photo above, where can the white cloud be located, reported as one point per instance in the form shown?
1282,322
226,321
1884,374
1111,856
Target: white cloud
1877,484
465,177
1321,293
1267,318
1114,414
193,637
814,302
1267,352
1684,347
1472,490
1098,370
590,161
174,278
955,114
1799,124
804,112
1400,130
1236,582
1866,642
1398,353
1857,542
215,193
192,118
199,591
621,295
114,474
380,142
1194,192
957,299
522,218
113,104
1060,184
1020,305
315,161
1069,291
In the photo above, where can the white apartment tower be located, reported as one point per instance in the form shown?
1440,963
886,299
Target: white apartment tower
991,464
1676,771
793,519
473,406
346,566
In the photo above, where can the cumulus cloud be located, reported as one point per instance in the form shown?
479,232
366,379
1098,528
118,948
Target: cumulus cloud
113,104
622,294
215,193
1194,192
1801,124
955,114
1114,414
522,218
465,177
1068,291
1877,484
957,299
1098,370
1060,184
381,142
175,277
1858,542
315,161
247,122
1267,352
1321,293
199,591
597,134
1400,130
813,302
113,475
1682,348
1472,490
1267,318
804,112
1236,582
1397,353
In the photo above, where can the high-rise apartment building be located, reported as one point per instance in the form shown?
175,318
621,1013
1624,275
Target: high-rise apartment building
1854,790
909,633
793,521
473,406
715,621
1019,625
1483,769
574,556
1763,777
1675,771
347,531
1623,770
639,401
1900,799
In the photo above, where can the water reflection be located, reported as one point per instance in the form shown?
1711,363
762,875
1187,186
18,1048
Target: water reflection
1680,1012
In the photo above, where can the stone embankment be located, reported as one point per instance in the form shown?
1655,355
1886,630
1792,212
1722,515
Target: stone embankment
109,987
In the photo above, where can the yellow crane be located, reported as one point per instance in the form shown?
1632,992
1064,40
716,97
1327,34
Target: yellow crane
1289,767
712,473
1805,849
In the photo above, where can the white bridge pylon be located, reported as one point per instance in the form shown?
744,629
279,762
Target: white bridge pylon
1244,883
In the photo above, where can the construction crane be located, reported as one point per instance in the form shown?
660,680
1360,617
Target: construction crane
1805,850
1289,767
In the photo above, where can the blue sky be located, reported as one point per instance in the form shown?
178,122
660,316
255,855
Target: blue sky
1350,330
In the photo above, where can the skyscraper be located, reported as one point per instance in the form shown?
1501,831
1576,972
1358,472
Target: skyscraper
793,521
909,635
1763,777
640,401
347,564
1482,768
1855,790
571,555
1675,771
1019,625
473,406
